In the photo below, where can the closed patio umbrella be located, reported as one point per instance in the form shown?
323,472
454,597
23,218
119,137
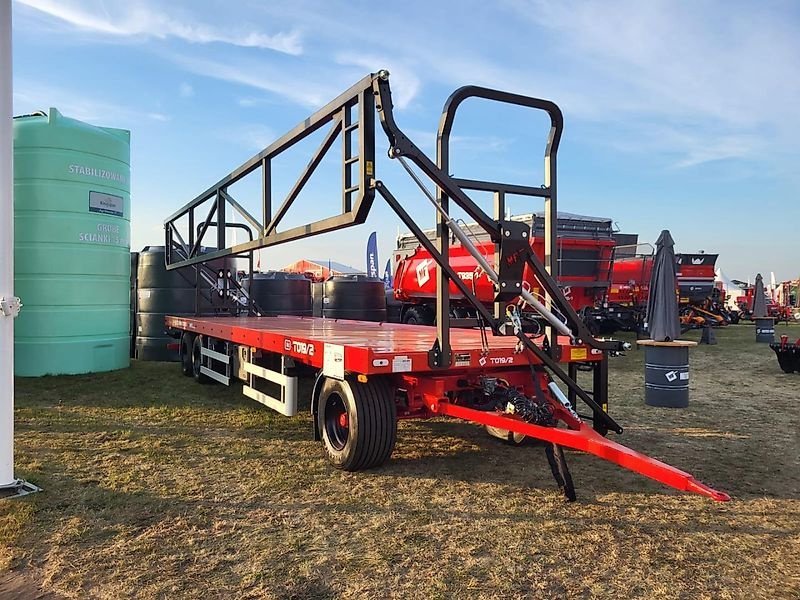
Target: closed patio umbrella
663,323
759,300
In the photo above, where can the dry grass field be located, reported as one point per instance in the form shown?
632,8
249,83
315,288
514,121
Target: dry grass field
157,487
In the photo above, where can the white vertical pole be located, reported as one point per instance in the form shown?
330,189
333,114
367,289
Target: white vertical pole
7,311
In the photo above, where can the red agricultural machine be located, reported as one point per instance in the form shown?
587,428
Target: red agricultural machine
584,255
701,302
368,374
745,303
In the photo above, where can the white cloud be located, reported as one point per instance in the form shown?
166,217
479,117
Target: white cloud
186,90
715,91
139,19
30,96
251,137
405,84
157,116
307,89
248,102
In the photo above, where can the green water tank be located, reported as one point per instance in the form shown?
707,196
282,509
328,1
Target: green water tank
71,246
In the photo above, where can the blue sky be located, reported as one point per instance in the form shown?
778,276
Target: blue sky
678,115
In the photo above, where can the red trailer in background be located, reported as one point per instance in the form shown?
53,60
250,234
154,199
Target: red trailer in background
585,256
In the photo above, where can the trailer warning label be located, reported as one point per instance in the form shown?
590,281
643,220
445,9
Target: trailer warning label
462,359
333,361
401,364
577,354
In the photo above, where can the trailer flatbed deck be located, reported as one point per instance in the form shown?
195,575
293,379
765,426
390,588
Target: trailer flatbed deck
368,347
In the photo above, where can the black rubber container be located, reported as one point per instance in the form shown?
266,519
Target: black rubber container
134,268
278,293
159,293
355,297
394,307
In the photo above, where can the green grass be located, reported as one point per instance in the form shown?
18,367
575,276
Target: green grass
156,486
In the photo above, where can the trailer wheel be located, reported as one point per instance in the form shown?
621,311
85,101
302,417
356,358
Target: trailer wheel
418,315
196,361
509,437
187,363
358,423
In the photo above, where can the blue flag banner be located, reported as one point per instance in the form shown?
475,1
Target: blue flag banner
372,255
387,274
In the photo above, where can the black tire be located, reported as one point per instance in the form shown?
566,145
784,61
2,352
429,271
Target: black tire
357,422
508,437
198,376
418,315
187,362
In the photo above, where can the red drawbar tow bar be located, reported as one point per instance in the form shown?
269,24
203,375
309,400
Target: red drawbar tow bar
583,437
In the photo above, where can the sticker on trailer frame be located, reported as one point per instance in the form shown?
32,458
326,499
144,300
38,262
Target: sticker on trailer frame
462,360
578,354
401,364
333,361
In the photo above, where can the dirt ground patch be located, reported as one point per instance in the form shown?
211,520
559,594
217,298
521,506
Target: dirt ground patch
155,486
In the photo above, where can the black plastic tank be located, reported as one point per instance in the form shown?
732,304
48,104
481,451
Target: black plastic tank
160,293
134,267
278,293
317,297
355,297
394,307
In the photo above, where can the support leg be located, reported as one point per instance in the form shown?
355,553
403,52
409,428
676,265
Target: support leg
558,465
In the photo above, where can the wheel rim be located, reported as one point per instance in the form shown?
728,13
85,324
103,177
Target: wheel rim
337,425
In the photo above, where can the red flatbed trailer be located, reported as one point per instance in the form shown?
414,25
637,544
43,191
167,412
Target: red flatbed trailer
397,355
371,374
370,348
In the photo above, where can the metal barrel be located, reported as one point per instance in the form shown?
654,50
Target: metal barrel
355,297
765,329
278,293
666,376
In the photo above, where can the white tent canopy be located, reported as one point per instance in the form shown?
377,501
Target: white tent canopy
731,289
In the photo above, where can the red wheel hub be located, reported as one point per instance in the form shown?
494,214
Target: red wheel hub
343,422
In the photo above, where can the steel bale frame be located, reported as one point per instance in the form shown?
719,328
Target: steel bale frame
372,95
